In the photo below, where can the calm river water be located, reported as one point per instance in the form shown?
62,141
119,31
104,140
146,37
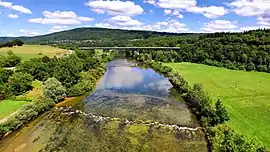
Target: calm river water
125,112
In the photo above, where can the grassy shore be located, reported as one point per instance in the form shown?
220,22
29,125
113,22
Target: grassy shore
246,95
27,52
8,107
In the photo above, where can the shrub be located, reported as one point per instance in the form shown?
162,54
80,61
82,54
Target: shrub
224,139
54,90
20,83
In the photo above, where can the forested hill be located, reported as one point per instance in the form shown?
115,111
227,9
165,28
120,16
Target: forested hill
91,34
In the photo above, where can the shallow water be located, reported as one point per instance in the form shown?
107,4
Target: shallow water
131,109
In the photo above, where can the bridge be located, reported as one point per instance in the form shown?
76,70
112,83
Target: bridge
130,48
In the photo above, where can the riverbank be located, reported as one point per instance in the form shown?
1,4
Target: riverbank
100,122
212,118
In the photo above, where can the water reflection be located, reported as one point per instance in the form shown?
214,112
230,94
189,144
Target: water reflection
125,92
136,93
122,78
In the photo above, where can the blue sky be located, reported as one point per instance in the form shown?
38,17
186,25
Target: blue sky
35,17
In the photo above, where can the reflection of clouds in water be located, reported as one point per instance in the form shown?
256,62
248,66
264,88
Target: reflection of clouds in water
160,85
119,77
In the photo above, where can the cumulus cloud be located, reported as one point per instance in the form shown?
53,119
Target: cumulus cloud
264,19
250,7
18,8
29,32
125,21
180,16
219,26
209,12
173,13
189,6
176,27
167,12
175,4
173,26
60,18
257,8
13,16
150,1
112,7
58,28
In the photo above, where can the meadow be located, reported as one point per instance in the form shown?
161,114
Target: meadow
9,106
27,52
246,95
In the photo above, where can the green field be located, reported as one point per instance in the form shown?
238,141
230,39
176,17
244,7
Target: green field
8,106
246,95
27,52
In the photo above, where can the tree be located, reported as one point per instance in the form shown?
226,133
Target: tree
221,113
250,67
12,59
54,90
18,42
20,83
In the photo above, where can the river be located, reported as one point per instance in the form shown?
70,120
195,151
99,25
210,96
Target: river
131,109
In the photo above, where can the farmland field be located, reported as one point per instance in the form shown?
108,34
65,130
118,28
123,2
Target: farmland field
27,52
246,95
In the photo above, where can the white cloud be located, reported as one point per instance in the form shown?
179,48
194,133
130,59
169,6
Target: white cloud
150,1
176,27
127,8
219,26
18,8
264,19
60,18
125,21
189,6
250,7
257,8
209,12
164,26
55,21
175,12
58,28
105,25
180,16
167,12
176,4
248,28
13,16
29,32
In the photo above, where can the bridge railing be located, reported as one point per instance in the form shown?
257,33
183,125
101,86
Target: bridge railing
130,48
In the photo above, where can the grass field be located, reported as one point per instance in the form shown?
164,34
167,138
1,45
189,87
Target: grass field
8,106
246,95
34,51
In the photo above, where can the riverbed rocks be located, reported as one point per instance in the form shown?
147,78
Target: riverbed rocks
69,111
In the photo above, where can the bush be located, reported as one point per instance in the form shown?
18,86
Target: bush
54,90
224,139
3,130
20,83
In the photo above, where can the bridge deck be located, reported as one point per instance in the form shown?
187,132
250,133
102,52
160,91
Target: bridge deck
130,48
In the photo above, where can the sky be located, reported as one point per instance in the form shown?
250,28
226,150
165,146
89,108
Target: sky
38,17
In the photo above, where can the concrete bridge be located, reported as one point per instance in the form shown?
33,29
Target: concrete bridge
130,48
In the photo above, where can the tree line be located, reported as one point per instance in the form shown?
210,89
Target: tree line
248,51
15,42
60,77
220,136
